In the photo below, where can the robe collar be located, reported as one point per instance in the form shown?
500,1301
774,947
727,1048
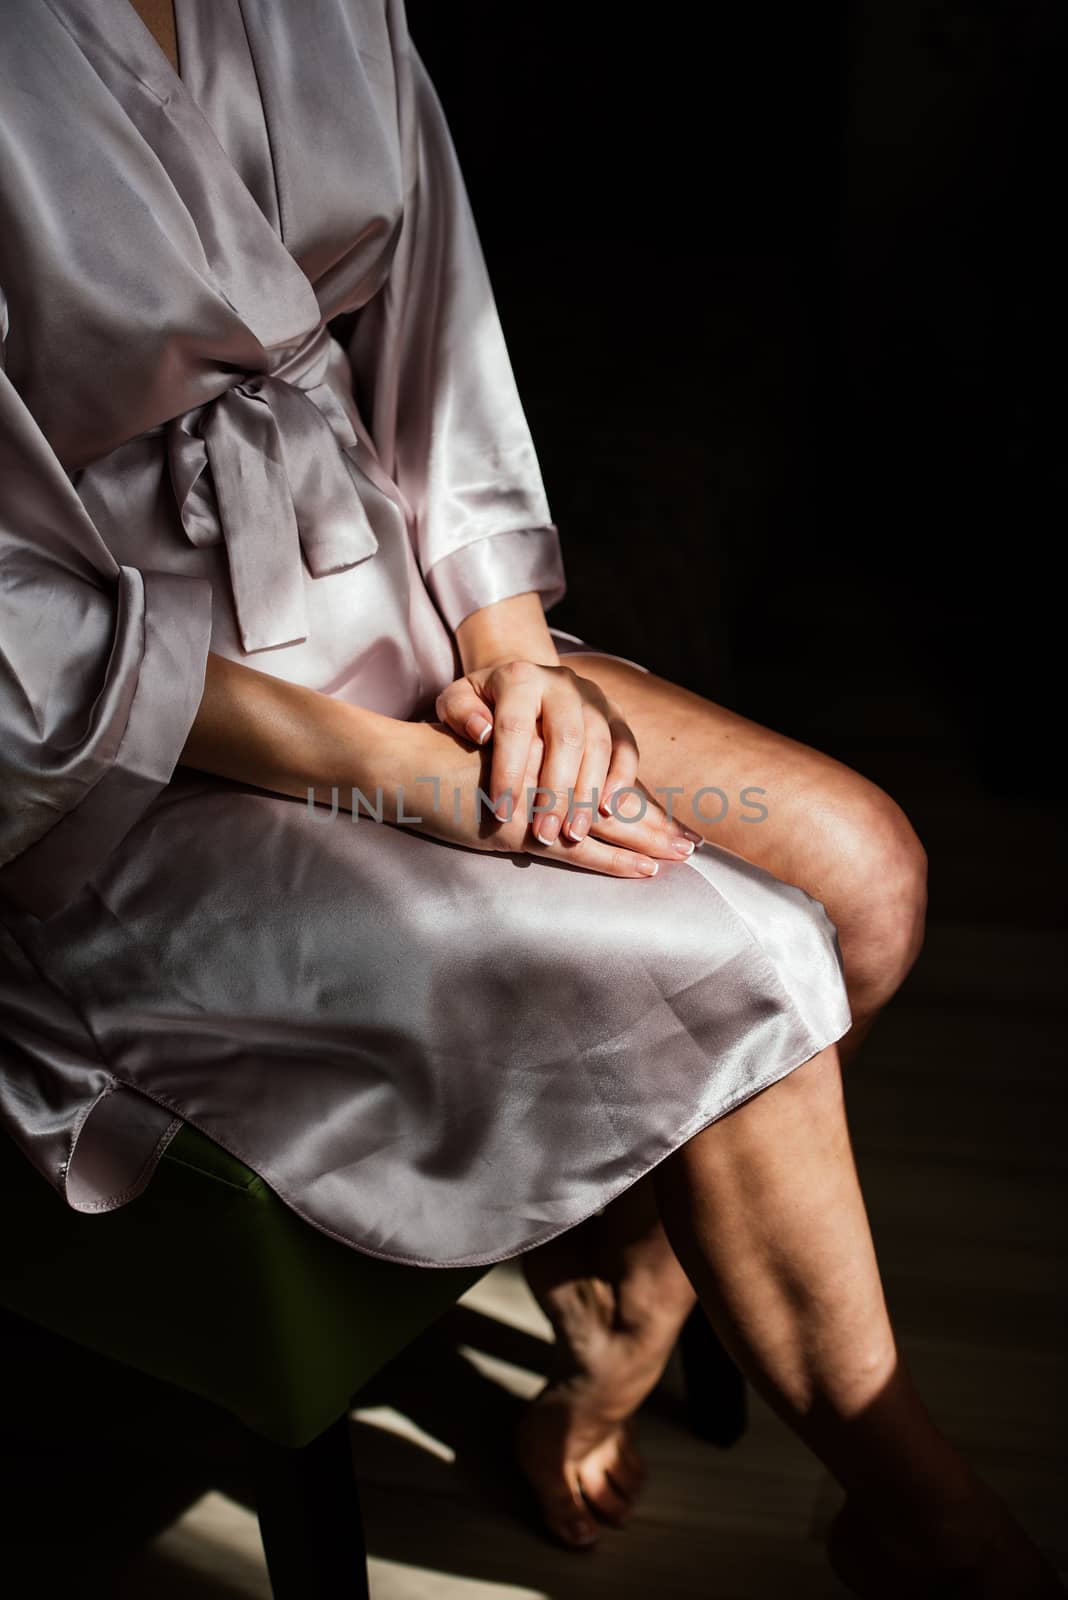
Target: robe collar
244,256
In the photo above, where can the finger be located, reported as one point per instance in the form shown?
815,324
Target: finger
564,730
589,785
514,834
596,855
623,769
516,692
639,822
462,708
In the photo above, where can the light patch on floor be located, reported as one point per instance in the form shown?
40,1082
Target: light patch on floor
391,1581
217,1544
402,1427
503,1295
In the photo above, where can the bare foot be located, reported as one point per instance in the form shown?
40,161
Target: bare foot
985,1555
616,1323
581,1466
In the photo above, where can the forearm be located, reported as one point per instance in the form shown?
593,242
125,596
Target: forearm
511,630
258,729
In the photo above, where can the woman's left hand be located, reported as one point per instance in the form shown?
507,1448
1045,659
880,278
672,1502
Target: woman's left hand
590,752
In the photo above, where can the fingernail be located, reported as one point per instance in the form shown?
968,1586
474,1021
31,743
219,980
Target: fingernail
578,826
605,807
683,847
547,829
648,869
478,727
503,810
695,838
581,1531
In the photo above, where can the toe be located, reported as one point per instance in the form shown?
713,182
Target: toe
604,1494
579,1480
556,1486
625,1469
566,1512
630,1461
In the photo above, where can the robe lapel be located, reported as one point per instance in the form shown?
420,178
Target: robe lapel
328,97
266,460
244,257
219,72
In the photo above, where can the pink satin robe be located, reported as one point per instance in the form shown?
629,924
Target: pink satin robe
255,398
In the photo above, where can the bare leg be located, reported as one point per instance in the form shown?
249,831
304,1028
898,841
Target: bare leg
828,829
614,1291
617,1297
765,1210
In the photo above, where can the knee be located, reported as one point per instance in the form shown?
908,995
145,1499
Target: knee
879,870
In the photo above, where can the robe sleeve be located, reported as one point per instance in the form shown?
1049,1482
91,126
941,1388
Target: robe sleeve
432,372
101,674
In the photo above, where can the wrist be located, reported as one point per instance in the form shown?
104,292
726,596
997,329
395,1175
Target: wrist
510,630
386,759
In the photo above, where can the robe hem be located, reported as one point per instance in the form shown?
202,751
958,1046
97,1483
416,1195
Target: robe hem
688,1131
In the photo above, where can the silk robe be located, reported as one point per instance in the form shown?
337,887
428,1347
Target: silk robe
255,399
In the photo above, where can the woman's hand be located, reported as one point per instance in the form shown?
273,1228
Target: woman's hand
549,721
437,777
257,729
515,690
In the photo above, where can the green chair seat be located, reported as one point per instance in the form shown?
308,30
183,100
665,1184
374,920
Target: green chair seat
209,1281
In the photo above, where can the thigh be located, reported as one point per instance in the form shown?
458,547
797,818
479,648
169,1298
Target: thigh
792,810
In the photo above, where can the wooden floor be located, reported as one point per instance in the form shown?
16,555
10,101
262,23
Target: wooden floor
962,1159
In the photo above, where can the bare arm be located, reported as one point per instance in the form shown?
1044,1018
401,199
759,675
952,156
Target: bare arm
511,630
543,716
257,729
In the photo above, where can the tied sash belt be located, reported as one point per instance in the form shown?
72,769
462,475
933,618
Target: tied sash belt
263,468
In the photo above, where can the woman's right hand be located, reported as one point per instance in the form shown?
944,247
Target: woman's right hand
436,777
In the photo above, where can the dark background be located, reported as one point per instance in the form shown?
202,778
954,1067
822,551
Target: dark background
779,287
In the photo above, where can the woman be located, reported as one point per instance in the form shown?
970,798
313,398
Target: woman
274,530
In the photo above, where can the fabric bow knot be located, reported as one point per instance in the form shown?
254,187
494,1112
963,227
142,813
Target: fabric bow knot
263,468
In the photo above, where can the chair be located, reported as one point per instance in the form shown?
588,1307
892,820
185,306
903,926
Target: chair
211,1283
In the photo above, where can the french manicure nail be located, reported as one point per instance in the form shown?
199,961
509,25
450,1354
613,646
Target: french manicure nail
683,847
648,869
578,827
695,838
478,727
547,830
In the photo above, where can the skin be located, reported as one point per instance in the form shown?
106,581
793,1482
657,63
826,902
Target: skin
158,17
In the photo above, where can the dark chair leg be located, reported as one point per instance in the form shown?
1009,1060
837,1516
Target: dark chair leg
715,1389
310,1522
